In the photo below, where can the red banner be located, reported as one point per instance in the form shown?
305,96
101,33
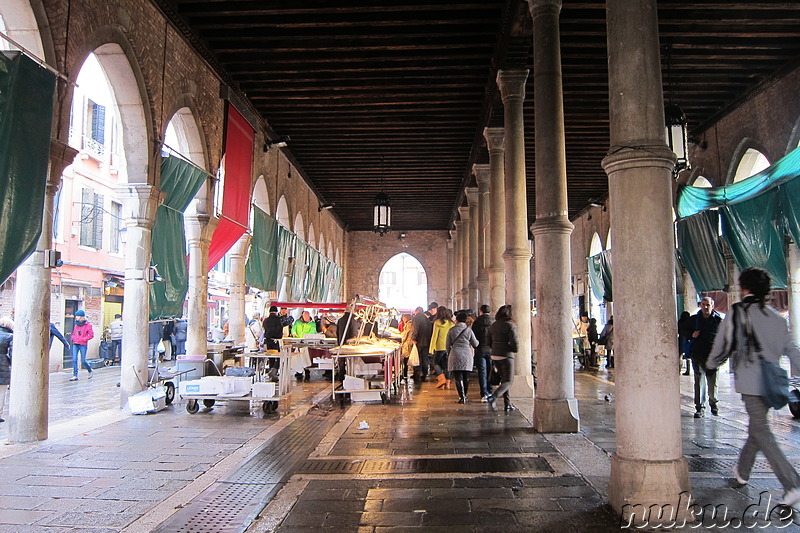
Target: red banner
238,167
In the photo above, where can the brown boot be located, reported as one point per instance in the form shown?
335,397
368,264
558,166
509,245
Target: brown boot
441,381
447,384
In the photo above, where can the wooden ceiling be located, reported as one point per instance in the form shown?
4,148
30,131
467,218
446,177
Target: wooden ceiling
394,94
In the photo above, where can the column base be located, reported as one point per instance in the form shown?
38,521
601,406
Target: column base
556,416
522,387
639,490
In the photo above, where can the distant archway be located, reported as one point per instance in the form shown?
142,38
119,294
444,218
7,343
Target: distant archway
282,214
260,195
751,162
403,282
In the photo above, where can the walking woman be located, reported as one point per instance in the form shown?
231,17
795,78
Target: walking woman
754,330
442,323
82,333
461,344
6,341
505,343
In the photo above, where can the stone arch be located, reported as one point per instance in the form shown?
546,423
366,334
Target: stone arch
608,239
338,257
298,227
744,156
121,68
595,245
794,138
702,181
19,22
385,294
312,236
261,195
282,213
190,137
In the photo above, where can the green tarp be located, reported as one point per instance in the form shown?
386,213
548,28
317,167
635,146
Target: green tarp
600,275
26,112
311,292
285,246
754,232
261,270
299,271
180,181
692,200
701,251
790,203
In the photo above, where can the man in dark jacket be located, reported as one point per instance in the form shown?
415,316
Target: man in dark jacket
273,329
421,336
483,353
705,323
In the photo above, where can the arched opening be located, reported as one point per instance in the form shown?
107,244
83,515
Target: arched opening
752,162
282,213
183,136
311,237
298,226
260,195
19,23
596,307
702,181
608,240
403,283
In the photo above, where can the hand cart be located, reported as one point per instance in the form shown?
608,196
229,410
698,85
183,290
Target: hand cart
167,377
385,384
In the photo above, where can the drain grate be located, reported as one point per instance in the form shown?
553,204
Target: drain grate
234,501
472,465
723,466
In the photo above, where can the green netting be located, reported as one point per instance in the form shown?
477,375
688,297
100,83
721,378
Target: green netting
600,275
285,246
298,279
321,287
789,198
754,232
26,112
180,181
692,200
701,251
312,288
261,270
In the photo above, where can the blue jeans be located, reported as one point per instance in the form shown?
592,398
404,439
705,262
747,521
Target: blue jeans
484,363
79,348
116,350
440,363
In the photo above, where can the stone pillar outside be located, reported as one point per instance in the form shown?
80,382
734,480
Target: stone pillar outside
555,409
482,175
473,202
139,202
647,467
517,254
199,229
794,291
450,284
466,245
497,213
28,394
236,324
457,264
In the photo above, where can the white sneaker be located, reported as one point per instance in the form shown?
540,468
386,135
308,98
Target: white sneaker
791,498
483,399
739,479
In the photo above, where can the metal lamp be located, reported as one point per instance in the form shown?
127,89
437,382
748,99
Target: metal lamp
676,136
382,214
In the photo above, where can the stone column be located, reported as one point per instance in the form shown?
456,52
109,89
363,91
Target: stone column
450,262
689,293
517,254
28,394
482,175
497,227
794,291
139,202
466,245
647,467
199,229
472,201
238,255
457,264
555,408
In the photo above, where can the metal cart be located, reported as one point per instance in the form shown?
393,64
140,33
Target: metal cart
386,383
167,377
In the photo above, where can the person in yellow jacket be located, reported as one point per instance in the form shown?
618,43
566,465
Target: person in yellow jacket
442,323
304,326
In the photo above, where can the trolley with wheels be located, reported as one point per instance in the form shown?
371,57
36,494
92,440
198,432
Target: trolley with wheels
380,385
167,377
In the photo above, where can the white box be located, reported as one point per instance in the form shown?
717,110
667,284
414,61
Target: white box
353,383
366,396
263,390
323,363
204,386
148,401
237,384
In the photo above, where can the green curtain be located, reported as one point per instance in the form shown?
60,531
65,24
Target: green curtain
692,200
600,275
261,270
754,231
285,246
298,279
790,203
180,181
337,284
26,112
311,288
700,250
322,292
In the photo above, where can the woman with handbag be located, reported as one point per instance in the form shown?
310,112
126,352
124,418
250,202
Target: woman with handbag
504,341
754,335
460,345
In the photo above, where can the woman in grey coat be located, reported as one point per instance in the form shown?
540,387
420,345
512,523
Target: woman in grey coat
752,330
460,344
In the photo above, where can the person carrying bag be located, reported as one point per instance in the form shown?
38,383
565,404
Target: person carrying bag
754,336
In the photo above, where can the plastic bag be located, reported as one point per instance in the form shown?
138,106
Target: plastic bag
161,348
413,357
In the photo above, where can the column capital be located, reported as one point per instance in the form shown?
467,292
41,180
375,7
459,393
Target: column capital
494,139
483,176
543,6
645,156
239,249
450,244
199,228
472,194
61,156
458,224
512,83
551,225
464,212
139,201
453,233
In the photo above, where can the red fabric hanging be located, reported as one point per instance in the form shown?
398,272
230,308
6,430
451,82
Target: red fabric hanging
238,167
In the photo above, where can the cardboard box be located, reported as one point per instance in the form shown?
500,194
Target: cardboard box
148,401
263,390
237,385
206,386
366,396
353,383
323,363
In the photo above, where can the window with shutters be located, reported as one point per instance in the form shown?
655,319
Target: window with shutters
116,225
91,219
94,137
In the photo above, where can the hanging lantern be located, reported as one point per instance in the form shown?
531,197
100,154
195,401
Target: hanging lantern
382,214
676,136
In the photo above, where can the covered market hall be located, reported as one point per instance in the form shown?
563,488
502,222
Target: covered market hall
172,170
